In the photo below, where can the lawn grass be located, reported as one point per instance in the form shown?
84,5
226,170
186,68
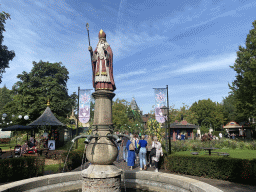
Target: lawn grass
54,168
233,153
6,146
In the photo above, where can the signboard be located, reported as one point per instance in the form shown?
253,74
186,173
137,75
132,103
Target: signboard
160,101
51,144
84,105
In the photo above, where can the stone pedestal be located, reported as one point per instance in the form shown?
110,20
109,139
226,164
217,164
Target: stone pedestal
101,178
103,150
102,175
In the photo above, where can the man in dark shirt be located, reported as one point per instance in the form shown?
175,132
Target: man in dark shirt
182,136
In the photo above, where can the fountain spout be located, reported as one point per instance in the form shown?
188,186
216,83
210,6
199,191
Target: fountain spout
88,137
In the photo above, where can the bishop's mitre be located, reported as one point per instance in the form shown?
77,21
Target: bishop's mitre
102,34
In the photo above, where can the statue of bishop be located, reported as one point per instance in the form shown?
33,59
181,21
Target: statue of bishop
102,65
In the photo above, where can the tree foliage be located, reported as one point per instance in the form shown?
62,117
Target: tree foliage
5,55
187,114
126,119
45,81
230,111
119,113
244,86
5,97
154,128
208,113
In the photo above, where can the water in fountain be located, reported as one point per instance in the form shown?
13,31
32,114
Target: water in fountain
83,158
122,190
67,157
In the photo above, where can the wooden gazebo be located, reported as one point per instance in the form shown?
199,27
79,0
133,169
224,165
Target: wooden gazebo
242,130
180,127
48,119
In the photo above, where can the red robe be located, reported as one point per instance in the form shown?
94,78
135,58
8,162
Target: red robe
103,85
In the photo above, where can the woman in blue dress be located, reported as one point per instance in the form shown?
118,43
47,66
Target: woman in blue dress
131,153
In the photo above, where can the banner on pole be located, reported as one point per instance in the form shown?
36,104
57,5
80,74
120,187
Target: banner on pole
160,101
84,105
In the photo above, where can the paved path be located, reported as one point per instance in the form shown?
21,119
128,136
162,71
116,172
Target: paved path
226,186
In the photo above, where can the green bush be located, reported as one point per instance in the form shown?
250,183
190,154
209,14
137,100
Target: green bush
179,146
225,168
196,145
74,159
21,168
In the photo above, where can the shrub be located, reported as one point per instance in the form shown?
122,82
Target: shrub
253,145
21,168
232,169
74,159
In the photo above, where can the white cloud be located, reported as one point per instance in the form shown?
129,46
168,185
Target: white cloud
130,74
209,64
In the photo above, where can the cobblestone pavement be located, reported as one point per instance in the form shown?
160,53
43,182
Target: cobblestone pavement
226,186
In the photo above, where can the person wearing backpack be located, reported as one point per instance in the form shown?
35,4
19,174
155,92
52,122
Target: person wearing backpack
131,147
159,151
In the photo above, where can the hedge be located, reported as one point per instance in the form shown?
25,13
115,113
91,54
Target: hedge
21,168
215,167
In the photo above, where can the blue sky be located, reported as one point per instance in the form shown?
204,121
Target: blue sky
187,45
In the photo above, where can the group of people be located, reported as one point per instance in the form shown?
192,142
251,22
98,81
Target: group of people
28,144
144,149
181,136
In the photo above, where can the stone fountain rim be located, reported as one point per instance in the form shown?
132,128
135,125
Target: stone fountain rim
65,179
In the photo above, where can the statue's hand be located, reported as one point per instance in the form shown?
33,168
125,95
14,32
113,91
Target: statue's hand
90,48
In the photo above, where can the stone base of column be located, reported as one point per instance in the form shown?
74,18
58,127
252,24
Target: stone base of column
101,178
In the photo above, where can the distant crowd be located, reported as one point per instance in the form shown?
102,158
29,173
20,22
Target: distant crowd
142,148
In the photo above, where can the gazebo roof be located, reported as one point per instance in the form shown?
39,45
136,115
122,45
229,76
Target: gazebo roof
232,125
17,128
47,118
183,125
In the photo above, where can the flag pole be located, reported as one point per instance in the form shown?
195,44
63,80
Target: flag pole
77,118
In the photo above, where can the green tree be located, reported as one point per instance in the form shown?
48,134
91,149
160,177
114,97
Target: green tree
230,112
208,113
243,87
119,115
5,97
45,81
5,55
154,128
173,114
188,115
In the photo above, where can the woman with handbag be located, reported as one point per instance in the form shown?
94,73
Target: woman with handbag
149,147
131,147
143,152
159,151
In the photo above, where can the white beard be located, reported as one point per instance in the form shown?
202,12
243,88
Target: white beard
100,50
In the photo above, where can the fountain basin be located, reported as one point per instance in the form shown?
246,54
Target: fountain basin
133,179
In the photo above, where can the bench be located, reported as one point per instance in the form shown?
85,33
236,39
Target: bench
224,154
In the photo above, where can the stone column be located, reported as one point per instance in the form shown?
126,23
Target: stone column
102,175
